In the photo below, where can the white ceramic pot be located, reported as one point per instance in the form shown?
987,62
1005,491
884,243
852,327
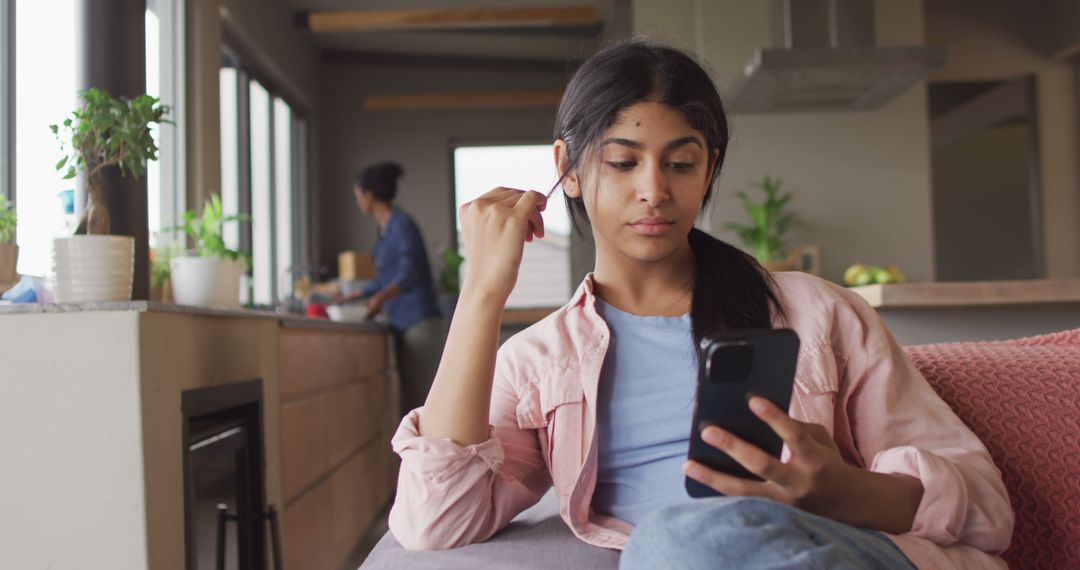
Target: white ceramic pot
9,260
207,281
93,268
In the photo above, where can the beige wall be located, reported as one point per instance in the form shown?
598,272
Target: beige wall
419,140
993,44
862,179
264,33
980,200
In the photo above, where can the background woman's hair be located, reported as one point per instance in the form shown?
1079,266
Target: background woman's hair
731,290
381,180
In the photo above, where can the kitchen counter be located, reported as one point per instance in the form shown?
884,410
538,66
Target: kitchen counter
93,416
919,313
286,320
971,293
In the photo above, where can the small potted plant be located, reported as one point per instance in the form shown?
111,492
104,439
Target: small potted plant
161,272
764,236
450,281
210,275
103,133
9,252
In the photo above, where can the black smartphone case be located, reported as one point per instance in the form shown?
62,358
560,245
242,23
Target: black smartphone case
723,392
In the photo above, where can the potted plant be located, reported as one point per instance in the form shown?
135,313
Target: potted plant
210,275
103,133
764,236
9,252
161,272
450,281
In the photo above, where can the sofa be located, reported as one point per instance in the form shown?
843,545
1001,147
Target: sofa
1021,397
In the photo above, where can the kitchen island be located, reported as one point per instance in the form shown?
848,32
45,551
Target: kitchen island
95,416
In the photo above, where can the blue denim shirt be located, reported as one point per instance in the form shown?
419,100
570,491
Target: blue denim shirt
400,257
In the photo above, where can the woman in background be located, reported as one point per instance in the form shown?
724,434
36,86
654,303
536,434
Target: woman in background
402,286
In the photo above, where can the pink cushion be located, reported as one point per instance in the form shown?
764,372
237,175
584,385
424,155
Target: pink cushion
1022,398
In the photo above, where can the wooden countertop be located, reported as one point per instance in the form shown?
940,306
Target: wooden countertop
970,293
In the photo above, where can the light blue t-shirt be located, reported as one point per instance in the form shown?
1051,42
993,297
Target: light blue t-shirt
645,404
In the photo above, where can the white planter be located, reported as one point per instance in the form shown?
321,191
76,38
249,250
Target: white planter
207,281
93,268
9,259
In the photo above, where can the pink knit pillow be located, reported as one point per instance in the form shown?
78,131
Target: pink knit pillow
1022,398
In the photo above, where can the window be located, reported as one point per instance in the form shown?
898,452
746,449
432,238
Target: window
262,220
165,80
284,197
48,31
262,171
544,278
45,31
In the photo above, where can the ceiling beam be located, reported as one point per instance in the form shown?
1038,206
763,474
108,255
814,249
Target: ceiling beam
488,100
468,18
391,59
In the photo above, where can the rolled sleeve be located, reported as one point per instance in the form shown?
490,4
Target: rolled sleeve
440,459
371,287
450,495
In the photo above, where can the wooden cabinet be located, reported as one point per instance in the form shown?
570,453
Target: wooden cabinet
339,405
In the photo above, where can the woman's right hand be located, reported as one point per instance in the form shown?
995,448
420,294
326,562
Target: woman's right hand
494,229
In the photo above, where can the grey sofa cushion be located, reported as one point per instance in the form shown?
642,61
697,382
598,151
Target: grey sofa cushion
536,539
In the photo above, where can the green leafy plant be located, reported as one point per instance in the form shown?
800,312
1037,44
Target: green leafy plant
764,236
7,220
450,276
160,264
104,132
207,230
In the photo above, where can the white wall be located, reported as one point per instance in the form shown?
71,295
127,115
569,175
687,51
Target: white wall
71,438
862,179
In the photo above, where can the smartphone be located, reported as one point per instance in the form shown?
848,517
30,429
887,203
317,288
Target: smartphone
734,367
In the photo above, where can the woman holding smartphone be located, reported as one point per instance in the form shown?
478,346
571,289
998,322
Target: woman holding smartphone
596,399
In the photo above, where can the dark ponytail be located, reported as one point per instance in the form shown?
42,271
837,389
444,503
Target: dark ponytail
381,180
731,290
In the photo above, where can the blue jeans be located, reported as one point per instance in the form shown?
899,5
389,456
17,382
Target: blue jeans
747,533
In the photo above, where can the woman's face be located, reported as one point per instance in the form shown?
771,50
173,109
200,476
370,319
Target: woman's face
363,199
644,195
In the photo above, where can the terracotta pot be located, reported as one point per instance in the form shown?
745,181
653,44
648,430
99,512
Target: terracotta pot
9,258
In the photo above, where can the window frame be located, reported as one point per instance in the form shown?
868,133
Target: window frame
247,72
7,100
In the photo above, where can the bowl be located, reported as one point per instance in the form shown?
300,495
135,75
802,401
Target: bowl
348,313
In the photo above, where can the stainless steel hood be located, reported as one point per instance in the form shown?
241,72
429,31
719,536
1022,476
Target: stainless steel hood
830,63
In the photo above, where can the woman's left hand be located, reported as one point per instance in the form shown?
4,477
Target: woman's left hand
815,478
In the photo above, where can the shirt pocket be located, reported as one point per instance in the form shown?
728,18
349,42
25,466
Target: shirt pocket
555,406
817,381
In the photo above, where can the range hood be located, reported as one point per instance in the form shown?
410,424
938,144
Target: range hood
829,63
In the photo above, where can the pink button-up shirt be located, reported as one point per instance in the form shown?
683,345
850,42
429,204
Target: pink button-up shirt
852,377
